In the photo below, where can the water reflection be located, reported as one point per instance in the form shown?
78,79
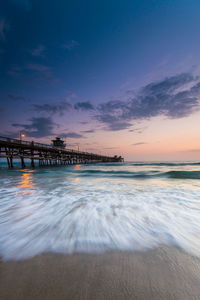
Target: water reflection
77,179
26,181
77,168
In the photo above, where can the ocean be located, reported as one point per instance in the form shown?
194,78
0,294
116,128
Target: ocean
131,206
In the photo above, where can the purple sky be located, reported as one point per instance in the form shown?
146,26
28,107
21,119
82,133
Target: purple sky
112,76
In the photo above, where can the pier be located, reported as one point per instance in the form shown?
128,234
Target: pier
51,155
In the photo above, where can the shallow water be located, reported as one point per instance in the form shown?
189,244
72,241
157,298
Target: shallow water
95,208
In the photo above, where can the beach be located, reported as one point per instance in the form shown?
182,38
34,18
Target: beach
162,273
99,150
106,231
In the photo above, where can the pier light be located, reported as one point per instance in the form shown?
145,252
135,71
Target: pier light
21,135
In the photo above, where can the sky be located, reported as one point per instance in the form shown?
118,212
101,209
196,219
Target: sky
114,77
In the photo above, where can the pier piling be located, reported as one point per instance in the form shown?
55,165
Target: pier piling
47,155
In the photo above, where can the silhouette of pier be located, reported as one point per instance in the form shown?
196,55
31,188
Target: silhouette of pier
52,155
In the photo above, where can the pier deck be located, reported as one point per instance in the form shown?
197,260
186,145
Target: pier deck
47,154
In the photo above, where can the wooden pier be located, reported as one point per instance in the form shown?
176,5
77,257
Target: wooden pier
47,154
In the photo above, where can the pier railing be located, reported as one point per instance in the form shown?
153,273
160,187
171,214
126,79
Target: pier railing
47,154
41,145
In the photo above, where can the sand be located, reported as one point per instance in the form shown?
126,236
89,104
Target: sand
164,273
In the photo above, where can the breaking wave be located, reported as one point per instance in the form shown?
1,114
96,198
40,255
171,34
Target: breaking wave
141,174
96,208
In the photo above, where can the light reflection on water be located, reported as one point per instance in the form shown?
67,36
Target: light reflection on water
94,208
26,181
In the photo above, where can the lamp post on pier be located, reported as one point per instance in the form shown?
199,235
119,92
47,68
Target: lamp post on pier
21,135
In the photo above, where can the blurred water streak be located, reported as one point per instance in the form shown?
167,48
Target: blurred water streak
95,208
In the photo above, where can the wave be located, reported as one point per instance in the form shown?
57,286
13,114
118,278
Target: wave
183,174
142,175
47,212
140,164
165,164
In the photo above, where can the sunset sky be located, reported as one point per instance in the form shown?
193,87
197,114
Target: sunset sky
116,76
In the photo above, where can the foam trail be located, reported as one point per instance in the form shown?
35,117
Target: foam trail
78,209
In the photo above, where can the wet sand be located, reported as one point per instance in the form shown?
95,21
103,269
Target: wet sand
164,273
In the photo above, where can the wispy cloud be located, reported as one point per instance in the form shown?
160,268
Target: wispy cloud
38,127
139,143
37,67
83,122
174,97
16,97
15,71
43,72
84,106
111,121
110,148
4,27
34,72
192,150
70,45
88,131
38,51
54,108
73,135
138,129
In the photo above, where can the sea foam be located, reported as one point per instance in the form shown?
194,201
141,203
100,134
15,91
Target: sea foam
67,210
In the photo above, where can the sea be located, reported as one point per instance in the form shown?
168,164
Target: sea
131,206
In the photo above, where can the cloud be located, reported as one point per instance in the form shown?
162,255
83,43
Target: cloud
15,71
73,135
138,130
12,135
174,97
116,126
37,67
39,51
110,148
38,127
83,106
43,72
4,27
192,150
88,131
84,122
59,108
16,98
92,149
33,72
62,107
70,45
138,144
113,122
26,4
72,145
